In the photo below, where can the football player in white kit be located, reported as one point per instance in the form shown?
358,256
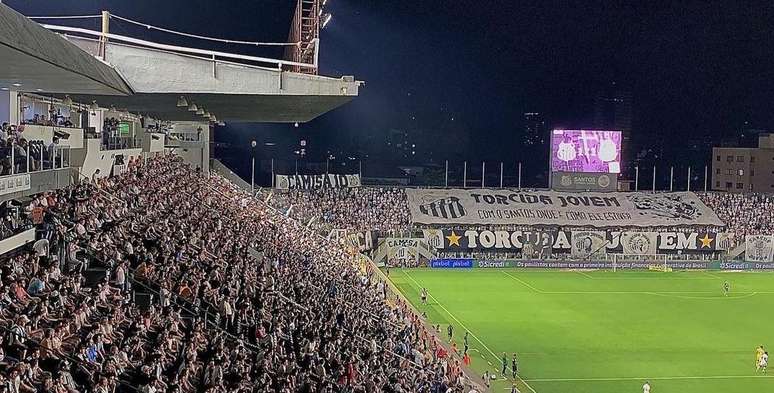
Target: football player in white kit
763,362
646,387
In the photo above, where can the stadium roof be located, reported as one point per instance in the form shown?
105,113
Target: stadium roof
149,78
31,58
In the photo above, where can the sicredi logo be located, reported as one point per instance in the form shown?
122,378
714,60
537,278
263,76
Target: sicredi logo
491,264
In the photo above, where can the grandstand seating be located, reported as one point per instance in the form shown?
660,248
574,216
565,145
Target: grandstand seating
163,279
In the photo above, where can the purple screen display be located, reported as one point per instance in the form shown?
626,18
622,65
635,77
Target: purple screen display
591,151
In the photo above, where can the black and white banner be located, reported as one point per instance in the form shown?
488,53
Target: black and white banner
759,248
638,243
588,243
362,241
510,207
313,182
578,243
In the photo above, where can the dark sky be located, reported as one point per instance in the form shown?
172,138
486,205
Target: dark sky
698,70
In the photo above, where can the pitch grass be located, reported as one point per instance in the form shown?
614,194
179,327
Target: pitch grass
606,332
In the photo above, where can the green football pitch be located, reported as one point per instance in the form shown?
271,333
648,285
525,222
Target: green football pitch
605,332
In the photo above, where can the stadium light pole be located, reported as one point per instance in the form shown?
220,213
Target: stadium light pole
501,174
689,178
464,174
705,178
671,177
519,176
654,178
483,172
636,178
446,175
252,167
272,173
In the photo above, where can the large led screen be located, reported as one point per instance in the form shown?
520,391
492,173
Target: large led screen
591,151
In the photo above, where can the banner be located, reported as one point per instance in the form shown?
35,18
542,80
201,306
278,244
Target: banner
638,243
581,244
567,181
463,263
759,248
362,241
314,182
686,241
14,183
538,241
588,243
725,241
401,251
510,207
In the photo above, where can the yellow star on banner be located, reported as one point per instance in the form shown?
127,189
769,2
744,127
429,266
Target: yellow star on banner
454,239
706,241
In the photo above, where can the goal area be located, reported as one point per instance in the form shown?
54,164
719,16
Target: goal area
657,262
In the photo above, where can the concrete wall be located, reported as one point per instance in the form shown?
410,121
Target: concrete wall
14,102
91,158
17,241
43,181
5,106
154,71
197,154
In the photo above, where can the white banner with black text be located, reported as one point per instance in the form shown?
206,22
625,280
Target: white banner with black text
511,207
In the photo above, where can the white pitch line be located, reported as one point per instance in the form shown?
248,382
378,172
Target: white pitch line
675,294
526,284
584,274
612,379
465,327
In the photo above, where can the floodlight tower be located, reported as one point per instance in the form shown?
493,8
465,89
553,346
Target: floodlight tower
308,19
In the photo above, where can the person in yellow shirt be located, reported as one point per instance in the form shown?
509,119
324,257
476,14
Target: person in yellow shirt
758,354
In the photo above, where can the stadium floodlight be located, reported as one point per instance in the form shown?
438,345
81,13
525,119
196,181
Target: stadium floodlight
192,107
326,18
67,101
182,102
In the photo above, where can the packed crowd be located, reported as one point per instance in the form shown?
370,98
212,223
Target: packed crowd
386,210
247,299
378,209
744,214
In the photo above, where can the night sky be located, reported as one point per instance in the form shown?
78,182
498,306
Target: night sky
457,76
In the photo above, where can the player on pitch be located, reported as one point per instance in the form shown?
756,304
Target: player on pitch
758,354
763,363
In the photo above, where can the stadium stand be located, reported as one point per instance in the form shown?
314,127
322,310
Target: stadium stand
162,279
380,209
744,214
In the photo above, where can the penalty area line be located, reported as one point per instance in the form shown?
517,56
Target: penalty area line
466,329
